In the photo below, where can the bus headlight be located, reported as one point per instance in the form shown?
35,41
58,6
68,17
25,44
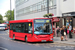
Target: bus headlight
51,38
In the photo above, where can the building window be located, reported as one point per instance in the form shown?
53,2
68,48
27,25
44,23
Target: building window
54,2
34,8
38,7
19,2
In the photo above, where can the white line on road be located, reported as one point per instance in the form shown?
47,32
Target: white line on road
3,48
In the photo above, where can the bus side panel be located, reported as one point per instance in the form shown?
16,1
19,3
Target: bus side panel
10,33
39,38
29,36
51,37
21,36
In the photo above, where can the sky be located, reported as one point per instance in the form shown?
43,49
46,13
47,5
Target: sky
5,6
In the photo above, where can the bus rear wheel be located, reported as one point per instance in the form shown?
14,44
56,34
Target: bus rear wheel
13,37
26,39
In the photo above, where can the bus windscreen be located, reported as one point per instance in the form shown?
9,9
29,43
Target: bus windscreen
42,26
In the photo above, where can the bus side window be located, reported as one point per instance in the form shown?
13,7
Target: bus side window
22,27
17,27
26,28
11,26
14,28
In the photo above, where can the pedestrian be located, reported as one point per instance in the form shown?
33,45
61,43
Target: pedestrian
70,28
62,33
58,30
65,30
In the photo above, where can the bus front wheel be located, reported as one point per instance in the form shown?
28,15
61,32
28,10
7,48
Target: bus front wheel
51,41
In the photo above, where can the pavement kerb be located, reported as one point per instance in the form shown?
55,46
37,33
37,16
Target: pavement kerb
64,44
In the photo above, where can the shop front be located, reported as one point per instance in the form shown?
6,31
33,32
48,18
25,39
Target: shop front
69,18
55,24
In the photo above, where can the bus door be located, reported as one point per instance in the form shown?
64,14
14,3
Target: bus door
28,29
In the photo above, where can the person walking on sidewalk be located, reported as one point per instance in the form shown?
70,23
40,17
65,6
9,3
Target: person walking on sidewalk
70,28
62,33
65,30
58,30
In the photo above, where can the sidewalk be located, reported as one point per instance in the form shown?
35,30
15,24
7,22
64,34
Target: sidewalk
69,41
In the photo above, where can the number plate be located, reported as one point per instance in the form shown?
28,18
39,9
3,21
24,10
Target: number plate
43,40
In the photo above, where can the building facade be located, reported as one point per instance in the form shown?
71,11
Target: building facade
26,9
64,10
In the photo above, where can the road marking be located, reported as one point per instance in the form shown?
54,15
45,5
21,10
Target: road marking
3,48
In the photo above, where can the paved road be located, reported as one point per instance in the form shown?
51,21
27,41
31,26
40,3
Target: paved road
8,44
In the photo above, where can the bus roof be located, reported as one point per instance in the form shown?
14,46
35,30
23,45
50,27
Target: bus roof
2,24
25,20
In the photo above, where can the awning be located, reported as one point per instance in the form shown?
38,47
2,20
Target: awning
55,19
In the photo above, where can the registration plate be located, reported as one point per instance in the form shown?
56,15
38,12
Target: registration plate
43,40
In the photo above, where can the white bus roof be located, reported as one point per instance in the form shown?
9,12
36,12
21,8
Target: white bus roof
2,24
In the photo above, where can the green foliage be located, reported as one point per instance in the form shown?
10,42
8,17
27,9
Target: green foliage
1,19
47,15
50,14
9,16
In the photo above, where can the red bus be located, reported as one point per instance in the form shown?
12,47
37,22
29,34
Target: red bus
31,30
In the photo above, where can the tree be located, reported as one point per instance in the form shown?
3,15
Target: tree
1,19
9,16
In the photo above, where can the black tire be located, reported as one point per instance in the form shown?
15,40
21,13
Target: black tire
51,41
26,39
13,37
